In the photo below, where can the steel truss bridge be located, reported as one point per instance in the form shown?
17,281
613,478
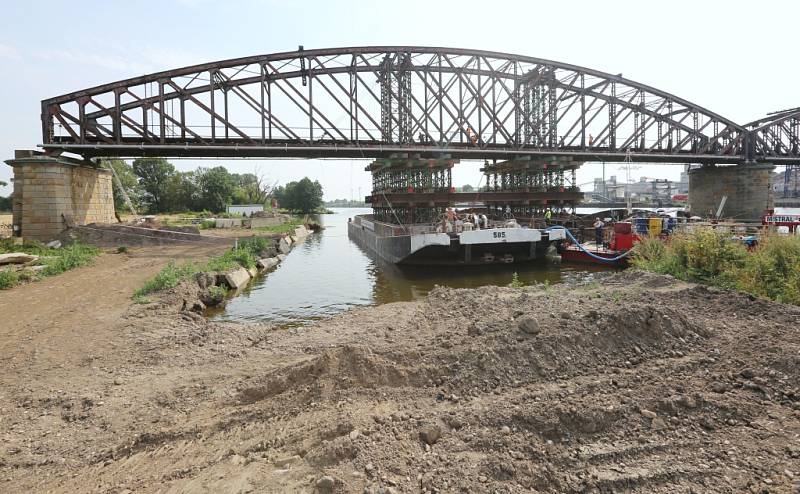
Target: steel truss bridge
373,102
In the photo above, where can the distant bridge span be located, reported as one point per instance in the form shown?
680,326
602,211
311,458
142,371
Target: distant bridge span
367,102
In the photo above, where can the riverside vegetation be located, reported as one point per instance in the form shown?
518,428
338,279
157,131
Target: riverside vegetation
771,269
245,255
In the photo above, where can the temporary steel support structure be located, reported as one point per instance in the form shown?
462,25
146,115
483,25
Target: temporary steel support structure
549,184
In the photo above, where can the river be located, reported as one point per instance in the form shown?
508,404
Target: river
328,274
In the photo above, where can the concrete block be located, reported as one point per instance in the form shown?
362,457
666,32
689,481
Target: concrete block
285,245
301,232
238,278
265,222
228,222
268,263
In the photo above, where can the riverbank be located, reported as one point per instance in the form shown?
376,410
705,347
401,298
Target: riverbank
636,382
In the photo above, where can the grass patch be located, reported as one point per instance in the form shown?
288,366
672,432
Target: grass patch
244,255
56,261
218,291
771,270
167,278
69,257
284,228
8,278
515,281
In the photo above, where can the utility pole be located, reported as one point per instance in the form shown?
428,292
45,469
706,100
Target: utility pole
605,186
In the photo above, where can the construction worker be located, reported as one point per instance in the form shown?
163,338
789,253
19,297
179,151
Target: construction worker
598,232
548,215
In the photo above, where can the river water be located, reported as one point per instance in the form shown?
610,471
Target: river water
328,274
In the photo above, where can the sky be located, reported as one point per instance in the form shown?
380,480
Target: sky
732,57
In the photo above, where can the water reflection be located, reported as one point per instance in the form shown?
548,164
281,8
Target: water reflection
327,274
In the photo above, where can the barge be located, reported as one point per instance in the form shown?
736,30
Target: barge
422,245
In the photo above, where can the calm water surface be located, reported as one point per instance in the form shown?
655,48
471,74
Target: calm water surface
328,274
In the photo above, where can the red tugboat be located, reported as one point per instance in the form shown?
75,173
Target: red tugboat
615,254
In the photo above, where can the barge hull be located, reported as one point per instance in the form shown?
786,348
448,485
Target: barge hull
397,245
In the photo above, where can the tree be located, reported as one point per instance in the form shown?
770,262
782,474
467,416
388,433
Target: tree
304,196
252,188
154,177
467,188
181,194
215,187
124,172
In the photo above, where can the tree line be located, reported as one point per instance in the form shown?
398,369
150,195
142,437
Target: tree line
155,186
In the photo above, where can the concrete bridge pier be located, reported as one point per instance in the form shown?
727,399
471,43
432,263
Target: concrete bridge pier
52,192
747,186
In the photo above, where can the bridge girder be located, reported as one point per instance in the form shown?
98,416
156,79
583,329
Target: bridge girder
777,134
377,101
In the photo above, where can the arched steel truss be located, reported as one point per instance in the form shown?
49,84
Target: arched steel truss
776,135
376,101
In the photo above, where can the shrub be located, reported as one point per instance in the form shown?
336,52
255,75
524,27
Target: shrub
254,245
771,270
8,278
122,249
703,255
206,224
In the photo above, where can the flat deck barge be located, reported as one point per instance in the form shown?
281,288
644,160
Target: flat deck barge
423,245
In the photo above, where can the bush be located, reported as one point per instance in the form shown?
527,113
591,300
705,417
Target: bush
122,249
8,278
254,245
167,278
704,255
206,224
771,270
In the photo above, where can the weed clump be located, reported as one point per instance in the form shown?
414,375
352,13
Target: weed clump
69,257
167,278
55,261
771,269
8,278
245,254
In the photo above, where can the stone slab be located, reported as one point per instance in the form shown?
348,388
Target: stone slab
268,263
238,278
17,258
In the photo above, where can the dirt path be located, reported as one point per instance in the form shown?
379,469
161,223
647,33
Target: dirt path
639,384
63,320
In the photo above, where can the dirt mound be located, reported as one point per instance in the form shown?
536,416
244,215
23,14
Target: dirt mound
335,370
636,384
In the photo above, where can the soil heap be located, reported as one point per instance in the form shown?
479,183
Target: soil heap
639,383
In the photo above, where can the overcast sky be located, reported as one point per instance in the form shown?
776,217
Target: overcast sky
736,58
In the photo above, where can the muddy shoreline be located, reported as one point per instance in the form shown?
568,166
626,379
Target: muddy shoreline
636,383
